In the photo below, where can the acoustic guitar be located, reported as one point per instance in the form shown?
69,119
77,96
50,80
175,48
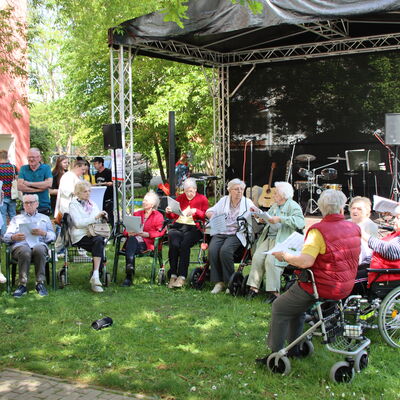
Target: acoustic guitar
266,198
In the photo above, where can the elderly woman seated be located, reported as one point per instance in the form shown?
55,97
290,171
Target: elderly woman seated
385,252
286,218
152,222
84,212
231,235
185,231
331,251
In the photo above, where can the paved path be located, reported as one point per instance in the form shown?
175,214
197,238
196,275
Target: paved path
20,385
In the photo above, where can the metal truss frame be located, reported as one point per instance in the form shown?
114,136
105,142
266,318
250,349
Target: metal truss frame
333,39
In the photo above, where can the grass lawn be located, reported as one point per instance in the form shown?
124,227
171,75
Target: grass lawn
174,344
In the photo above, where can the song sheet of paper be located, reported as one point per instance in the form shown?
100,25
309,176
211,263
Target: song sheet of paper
293,244
133,223
263,215
174,206
384,205
97,195
217,224
31,239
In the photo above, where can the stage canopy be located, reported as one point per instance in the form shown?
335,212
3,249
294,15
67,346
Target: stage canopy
218,32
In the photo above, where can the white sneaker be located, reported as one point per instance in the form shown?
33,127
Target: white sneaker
95,281
218,288
3,279
97,289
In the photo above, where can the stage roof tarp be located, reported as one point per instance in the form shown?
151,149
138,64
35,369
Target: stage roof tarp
218,32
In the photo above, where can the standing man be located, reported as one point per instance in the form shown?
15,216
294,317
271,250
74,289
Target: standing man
29,233
36,178
103,177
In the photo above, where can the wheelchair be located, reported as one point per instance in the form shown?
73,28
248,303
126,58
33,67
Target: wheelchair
340,326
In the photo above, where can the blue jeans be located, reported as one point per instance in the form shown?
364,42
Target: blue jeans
7,209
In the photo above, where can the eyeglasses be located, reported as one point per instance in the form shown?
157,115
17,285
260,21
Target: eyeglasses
30,202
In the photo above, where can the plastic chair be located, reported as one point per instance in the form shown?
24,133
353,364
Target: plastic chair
11,268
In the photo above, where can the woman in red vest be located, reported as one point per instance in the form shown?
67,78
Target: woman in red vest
331,250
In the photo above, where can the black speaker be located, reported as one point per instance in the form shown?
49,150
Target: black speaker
112,136
392,128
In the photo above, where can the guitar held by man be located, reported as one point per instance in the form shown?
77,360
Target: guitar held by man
266,197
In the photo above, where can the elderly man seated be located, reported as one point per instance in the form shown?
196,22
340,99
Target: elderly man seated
29,233
331,251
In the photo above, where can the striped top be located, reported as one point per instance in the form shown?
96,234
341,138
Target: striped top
389,250
7,176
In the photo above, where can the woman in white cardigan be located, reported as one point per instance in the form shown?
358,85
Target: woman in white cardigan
231,234
84,212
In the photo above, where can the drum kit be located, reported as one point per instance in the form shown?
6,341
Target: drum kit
312,184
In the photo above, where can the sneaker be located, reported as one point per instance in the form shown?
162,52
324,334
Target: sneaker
179,282
97,289
21,291
95,281
3,279
271,299
41,289
252,293
171,282
219,287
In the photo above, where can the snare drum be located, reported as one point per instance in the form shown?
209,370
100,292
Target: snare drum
300,185
334,186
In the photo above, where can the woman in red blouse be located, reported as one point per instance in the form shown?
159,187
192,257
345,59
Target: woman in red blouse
185,231
152,221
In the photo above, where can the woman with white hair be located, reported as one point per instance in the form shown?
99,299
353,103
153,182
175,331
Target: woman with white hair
330,251
185,231
232,235
152,222
286,218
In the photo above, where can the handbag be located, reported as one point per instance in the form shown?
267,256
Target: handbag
15,193
99,229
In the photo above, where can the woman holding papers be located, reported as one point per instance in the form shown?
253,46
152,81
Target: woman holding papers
285,217
331,251
228,234
83,213
185,231
138,242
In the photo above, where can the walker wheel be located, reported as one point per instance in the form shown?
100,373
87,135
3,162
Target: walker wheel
342,372
161,276
235,284
361,361
306,348
196,279
245,289
61,278
107,279
278,364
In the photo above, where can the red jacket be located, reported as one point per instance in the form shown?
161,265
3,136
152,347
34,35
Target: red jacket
152,226
377,261
199,202
335,271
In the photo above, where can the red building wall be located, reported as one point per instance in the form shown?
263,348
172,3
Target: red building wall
14,113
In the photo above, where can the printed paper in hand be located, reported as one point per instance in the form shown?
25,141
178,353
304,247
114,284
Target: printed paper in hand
174,206
263,215
293,244
133,223
384,205
217,224
31,239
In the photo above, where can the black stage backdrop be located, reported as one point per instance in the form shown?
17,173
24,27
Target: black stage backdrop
323,108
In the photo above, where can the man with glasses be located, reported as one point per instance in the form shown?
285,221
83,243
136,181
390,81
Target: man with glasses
29,233
36,178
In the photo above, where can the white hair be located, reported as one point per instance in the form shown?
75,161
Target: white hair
189,182
35,196
153,197
235,182
331,201
285,189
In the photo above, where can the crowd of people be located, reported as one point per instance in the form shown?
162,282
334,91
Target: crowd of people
337,250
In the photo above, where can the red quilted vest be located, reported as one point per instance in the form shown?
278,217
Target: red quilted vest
377,261
335,271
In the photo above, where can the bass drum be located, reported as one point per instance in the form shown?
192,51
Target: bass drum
334,186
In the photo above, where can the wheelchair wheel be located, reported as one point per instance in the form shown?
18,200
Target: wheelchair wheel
306,348
342,372
361,361
245,289
278,364
389,318
161,276
197,278
235,284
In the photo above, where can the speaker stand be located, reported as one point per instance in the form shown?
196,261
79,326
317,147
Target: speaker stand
117,228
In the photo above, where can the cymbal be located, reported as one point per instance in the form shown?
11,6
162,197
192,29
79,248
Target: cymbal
337,158
305,157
